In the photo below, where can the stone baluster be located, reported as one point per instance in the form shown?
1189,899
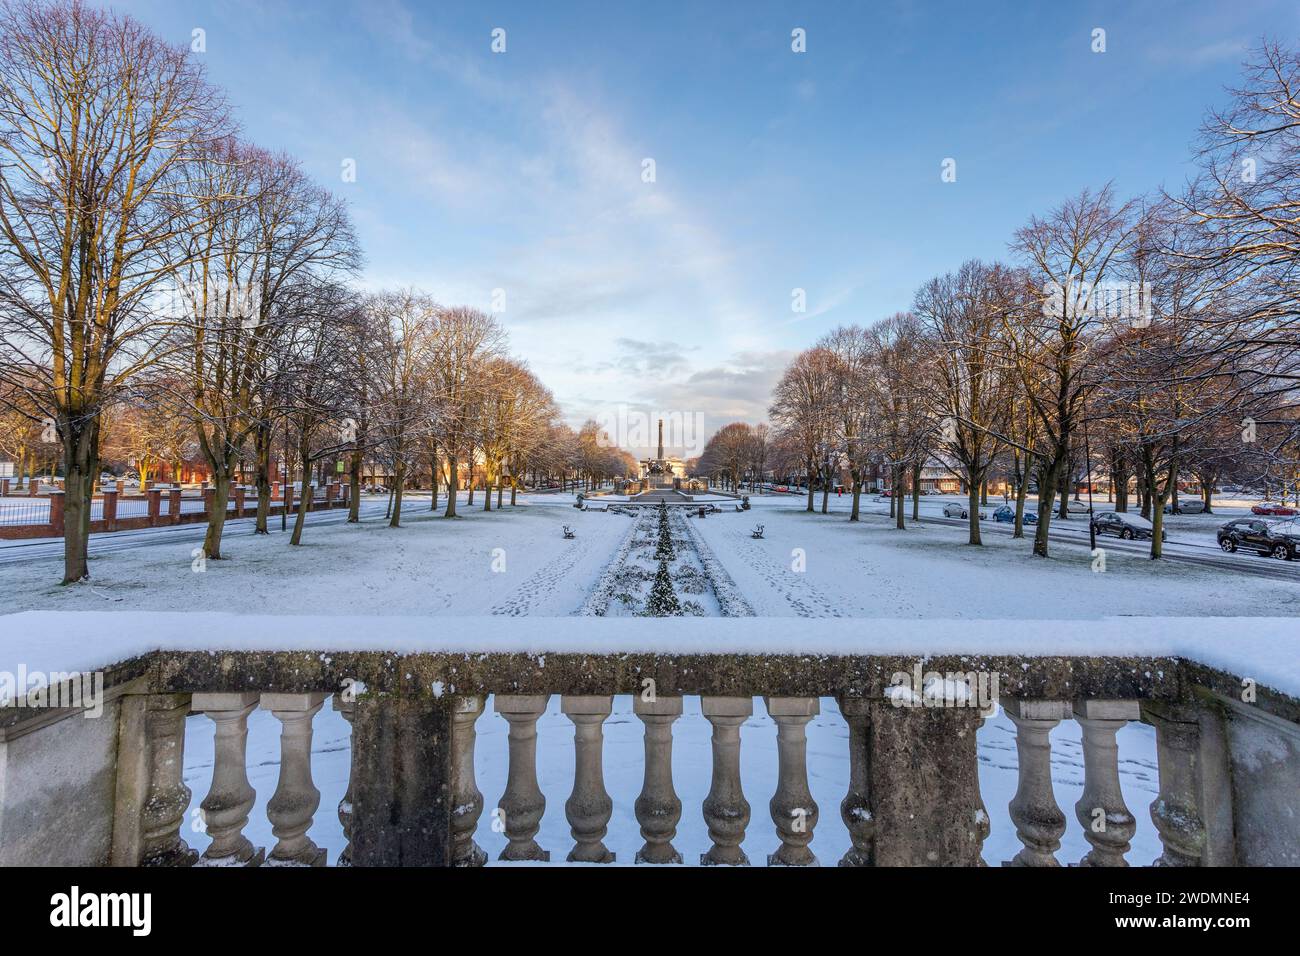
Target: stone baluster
726,811
589,807
1176,811
522,805
346,705
466,799
168,797
657,808
855,808
1107,823
225,808
1039,821
792,807
294,803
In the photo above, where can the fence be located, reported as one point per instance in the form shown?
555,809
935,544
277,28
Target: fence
1227,770
42,516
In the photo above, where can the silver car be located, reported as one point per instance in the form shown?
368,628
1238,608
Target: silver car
954,510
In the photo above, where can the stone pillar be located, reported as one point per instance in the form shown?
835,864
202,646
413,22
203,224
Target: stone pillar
1039,821
589,807
4,487
658,808
522,805
225,808
329,495
56,514
726,811
155,506
294,803
1176,811
1107,823
923,785
209,496
174,504
794,812
347,710
151,796
855,808
239,501
110,510
121,486
401,781
466,798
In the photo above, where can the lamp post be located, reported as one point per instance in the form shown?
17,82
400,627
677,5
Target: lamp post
1087,465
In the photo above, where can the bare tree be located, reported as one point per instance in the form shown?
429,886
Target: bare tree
99,123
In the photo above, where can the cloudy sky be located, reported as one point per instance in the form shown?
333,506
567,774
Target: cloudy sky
518,180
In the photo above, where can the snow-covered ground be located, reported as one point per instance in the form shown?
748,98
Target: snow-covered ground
516,561
692,762
922,590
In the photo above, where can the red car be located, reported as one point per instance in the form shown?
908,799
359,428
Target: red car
1272,509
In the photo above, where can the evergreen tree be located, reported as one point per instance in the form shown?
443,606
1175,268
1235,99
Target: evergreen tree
663,600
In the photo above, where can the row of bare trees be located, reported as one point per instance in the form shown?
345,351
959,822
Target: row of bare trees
1146,340
168,288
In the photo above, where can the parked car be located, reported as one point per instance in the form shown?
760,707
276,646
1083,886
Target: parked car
1124,525
1186,506
1076,506
1007,515
1284,537
1271,508
954,510
1251,534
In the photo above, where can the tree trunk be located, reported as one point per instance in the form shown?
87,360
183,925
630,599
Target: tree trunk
916,492
974,483
1048,481
217,515
857,495
452,485
1022,490
810,486
354,488
399,482
262,476
304,498
899,521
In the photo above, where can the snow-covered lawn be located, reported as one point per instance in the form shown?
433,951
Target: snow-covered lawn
513,561
692,762
870,569
516,561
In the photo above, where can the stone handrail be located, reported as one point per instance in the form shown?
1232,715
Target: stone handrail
1229,762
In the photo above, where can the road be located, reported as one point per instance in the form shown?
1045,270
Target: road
1178,550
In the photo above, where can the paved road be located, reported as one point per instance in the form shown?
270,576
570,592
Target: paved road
1076,533
14,552
1185,552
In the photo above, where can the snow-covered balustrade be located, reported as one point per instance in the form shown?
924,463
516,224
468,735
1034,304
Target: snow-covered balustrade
113,790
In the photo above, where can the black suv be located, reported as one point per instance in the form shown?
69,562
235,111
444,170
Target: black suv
1124,525
1280,539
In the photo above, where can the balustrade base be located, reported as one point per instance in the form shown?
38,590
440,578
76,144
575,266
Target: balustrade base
308,858
256,858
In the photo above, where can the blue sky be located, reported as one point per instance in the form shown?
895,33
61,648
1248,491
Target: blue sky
774,170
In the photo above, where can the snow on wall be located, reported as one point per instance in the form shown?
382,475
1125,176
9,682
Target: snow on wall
1264,649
